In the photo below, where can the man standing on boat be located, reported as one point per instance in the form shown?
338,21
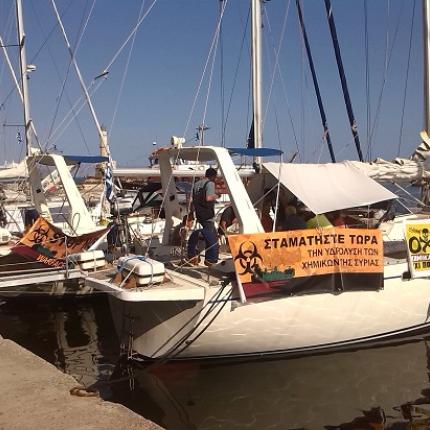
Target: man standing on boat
204,197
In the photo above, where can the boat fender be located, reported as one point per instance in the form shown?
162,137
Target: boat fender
137,257
81,391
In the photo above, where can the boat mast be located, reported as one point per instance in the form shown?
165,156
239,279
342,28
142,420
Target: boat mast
315,81
341,70
256,74
426,37
24,77
421,153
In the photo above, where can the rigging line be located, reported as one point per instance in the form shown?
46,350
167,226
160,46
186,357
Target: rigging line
92,88
387,38
77,70
189,119
276,52
17,86
273,73
8,31
326,135
278,132
290,116
212,66
190,342
278,194
136,27
367,77
214,39
211,75
59,97
321,147
343,148
379,104
51,32
96,82
211,304
384,78
83,27
345,91
222,85
215,301
81,32
303,92
12,90
76,108
406,80
236,74
122,83
248,105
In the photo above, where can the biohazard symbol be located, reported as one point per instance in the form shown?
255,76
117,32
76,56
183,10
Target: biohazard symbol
40,235
248,257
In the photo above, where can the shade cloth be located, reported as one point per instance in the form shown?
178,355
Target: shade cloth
329,187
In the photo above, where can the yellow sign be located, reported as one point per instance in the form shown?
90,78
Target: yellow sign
303,253
417,234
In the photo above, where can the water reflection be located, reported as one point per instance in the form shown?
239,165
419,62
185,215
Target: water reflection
367,389
75,335
380,388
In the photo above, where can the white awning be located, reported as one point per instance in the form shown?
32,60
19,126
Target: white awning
329,187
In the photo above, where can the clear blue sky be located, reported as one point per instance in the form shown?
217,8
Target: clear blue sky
167,62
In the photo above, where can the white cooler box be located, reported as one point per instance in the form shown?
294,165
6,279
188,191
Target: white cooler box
89,260
145,270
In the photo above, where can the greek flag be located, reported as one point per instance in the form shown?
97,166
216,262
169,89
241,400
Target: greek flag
109,187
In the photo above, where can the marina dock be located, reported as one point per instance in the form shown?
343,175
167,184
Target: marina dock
34,394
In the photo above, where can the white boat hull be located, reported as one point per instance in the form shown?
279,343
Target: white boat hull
218,326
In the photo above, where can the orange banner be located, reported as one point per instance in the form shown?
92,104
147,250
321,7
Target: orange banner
301,253
48,244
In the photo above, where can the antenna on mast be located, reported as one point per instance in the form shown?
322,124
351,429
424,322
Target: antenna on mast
201,133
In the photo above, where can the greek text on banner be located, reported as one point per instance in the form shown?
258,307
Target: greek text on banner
303,253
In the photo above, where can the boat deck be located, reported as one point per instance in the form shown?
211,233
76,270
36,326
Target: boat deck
183,288
19,279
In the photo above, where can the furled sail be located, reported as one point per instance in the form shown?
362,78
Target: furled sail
423,150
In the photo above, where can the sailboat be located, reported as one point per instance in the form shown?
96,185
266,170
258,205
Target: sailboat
342,290
44,252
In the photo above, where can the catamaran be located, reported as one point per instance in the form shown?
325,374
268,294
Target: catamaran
275,292
335,292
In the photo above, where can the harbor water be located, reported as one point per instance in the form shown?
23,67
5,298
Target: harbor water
383,387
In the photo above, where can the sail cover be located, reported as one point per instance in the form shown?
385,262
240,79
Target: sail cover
329,187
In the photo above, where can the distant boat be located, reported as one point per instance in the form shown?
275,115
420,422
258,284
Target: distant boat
57,228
